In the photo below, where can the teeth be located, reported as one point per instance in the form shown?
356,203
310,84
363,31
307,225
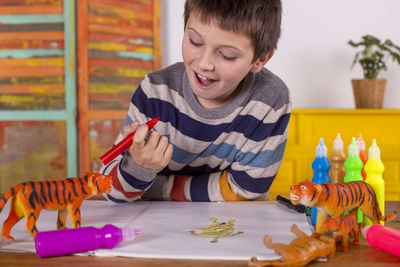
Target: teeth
202,77
294,197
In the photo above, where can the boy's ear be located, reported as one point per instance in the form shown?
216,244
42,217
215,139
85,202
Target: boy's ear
261,61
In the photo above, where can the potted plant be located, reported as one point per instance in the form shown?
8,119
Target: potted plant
369,92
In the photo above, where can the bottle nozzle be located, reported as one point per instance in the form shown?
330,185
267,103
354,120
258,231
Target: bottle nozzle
353,148
374,151
360,142
364,231
129,234
338,143
321,150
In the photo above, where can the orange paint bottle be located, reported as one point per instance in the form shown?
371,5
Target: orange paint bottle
362,154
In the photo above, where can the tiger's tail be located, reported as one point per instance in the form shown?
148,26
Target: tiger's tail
387,218
9,194
378,211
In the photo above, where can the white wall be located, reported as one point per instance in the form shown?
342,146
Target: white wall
313,57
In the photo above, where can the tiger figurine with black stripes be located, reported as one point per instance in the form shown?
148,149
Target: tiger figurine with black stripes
66,196
341,228
335,199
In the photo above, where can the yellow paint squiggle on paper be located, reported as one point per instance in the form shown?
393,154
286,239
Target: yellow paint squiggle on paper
217,230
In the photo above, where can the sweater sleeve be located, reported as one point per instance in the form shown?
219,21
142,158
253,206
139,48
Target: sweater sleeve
249,177
255,168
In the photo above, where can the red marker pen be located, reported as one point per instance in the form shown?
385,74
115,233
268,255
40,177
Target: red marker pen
124,144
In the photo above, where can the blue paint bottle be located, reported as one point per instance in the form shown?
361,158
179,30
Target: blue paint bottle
321,167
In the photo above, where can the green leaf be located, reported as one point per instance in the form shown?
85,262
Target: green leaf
374,54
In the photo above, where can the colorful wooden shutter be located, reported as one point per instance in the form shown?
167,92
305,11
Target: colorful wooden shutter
119,42
37,91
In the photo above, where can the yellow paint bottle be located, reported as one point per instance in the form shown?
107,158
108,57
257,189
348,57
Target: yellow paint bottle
374,169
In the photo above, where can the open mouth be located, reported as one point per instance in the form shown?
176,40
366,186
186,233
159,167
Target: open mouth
203,81
294,197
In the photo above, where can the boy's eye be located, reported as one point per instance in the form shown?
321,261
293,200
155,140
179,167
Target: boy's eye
194,43
228,58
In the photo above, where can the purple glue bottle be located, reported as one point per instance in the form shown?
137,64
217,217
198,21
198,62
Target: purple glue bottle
77,240
383,238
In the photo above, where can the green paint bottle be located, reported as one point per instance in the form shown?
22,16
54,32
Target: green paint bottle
353,165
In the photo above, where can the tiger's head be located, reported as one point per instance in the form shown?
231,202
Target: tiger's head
99,183
306,193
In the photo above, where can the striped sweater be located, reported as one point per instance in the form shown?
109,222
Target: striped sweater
221,154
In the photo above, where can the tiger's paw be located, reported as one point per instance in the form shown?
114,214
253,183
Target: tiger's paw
5,240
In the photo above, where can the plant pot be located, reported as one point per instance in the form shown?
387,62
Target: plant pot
369,93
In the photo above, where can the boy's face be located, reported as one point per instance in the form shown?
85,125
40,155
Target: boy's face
216,61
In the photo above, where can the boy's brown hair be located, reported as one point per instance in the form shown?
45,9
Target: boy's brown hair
260,20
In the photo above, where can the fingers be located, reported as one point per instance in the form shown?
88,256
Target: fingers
130,128
148,149
167,155
160,144
164,149
153,139
140,135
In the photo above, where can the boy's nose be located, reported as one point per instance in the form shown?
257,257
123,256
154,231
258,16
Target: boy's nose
206,63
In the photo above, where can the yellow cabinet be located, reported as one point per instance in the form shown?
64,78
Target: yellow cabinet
308,125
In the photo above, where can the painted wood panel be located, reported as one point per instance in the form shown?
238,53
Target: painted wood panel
102,134
31,150
119,43
38,134
32,55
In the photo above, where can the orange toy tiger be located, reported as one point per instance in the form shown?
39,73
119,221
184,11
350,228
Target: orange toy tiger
28,199
340,229
299,252
335,199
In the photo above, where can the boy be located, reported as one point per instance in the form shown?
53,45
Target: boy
224,118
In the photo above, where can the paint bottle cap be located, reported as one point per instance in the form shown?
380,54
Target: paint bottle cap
129,234
321,150
364,231
374,151
353,148
338,143
360,142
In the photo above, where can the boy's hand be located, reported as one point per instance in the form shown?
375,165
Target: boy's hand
153,153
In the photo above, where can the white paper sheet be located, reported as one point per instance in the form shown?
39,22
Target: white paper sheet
166,225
